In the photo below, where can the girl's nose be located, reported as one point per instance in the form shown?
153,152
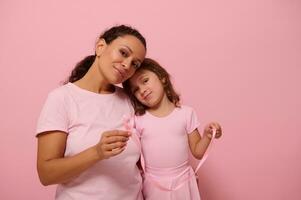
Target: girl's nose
142,91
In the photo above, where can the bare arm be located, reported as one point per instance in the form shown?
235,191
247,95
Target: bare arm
54,168
199,145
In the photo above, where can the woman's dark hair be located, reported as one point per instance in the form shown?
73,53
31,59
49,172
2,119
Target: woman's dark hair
153,66
82,67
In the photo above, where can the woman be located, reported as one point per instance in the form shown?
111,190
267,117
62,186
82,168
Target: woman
81,144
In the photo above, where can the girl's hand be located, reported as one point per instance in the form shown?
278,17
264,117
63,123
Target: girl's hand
112,143
208,131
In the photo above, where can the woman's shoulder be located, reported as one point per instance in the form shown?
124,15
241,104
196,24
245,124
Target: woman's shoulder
59,94
60,90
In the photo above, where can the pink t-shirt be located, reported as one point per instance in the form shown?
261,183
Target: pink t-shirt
84,116
164,139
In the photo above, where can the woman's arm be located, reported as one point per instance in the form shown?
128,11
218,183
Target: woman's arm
54,168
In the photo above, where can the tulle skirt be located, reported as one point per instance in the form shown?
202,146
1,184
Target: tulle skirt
177,183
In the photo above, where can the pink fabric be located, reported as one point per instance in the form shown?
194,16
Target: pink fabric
84,115
164,140
177,183
206,153
165,150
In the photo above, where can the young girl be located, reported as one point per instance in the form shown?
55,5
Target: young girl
167,131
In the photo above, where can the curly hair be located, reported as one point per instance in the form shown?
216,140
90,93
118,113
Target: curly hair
153,66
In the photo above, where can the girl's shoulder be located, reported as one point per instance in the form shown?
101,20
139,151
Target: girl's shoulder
186,108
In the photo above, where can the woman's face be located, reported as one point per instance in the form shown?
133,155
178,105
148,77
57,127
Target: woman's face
119,60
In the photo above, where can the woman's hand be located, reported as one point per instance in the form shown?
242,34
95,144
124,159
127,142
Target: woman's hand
208,131
112,143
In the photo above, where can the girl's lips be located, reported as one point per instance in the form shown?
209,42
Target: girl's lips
147,96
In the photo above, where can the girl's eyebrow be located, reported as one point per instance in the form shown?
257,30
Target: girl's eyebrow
141,76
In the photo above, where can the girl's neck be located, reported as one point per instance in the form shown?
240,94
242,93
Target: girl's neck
93,81
164,108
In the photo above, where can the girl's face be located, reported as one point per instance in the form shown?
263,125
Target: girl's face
119,60
147,88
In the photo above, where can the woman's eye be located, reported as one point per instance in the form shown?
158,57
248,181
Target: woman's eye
123,53
136,65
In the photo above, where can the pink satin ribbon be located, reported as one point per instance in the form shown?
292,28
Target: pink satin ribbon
128,122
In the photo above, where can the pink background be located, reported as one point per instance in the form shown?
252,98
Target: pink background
236,61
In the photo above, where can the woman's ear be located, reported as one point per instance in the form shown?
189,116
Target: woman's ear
100,46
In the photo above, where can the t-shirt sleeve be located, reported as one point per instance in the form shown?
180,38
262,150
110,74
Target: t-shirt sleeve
53,116
137,126
192,121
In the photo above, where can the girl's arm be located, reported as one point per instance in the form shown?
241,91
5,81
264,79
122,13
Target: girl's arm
54,168
199,145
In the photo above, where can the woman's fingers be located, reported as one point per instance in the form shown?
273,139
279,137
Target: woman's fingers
115,152
112,143
114,139
112,146
114,149
116,133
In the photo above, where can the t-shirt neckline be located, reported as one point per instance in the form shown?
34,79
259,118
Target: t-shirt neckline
163,117
87,92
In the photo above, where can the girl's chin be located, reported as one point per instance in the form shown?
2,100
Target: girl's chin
149,104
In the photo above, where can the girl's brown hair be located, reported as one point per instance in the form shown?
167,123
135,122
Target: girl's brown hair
153,66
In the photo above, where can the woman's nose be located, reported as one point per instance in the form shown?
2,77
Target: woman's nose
126,63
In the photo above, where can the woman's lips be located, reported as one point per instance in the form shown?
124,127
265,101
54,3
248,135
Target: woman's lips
120,72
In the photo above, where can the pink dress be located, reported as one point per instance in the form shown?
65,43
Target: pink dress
84,116
165,148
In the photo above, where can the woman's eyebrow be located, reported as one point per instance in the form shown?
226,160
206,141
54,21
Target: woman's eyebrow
131,52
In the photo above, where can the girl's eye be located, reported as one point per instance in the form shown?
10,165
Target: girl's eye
145,80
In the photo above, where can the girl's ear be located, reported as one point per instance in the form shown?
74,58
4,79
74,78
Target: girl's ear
100,46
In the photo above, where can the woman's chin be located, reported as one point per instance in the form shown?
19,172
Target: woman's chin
116,80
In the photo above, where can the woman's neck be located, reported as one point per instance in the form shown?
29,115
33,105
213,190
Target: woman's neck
93,81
